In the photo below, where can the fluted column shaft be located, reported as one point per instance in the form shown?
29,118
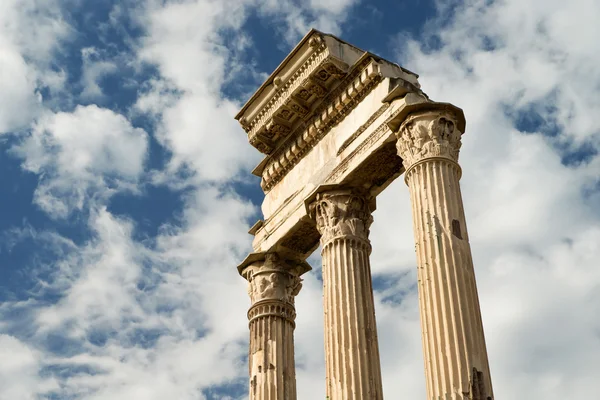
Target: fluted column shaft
353,369
272,286
456,362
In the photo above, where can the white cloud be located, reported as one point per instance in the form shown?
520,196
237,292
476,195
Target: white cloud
30,32
86,154
197,123
19,371
335,7
18,92
98,281
94,69
300,16
118,294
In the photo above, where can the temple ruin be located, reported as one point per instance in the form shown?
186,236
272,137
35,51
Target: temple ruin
337,125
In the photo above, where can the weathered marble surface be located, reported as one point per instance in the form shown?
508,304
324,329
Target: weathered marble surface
456,362
353,369
273,283
337,125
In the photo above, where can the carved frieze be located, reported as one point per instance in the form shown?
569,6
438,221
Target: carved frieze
262,144
277,127
316,58
426,135
295,96
315,88
303,94
294,100
335,68
349,93
298,108
341,214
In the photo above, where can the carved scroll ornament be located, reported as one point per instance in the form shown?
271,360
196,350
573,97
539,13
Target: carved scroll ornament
341,214
427,135
273,280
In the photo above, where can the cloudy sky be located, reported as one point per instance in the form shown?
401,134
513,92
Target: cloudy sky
125,192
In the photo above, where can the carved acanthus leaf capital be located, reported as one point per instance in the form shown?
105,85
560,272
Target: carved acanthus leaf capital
341,214
272,279
426,135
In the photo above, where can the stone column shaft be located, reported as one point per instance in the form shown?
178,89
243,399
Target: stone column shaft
271,358
455,355
353,369
272,288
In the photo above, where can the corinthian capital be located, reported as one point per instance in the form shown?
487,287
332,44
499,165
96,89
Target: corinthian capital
426,135
341,214
273,279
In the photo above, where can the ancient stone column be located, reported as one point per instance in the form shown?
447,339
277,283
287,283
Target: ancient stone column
272,286
456,362
353,371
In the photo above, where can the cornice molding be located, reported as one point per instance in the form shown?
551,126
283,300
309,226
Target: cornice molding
334,108
284,91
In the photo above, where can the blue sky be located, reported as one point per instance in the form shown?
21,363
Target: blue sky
125,191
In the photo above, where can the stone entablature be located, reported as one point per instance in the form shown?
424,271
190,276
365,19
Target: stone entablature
313,89
297,85
319,146
365,156
349,93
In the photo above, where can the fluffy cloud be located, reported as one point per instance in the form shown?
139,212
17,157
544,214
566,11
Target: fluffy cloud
197,124
30,32
95,67
19,373
88,153
140,320
299,17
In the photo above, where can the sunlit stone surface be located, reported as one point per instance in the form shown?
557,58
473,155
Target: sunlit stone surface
337,125
353,369
273,283
456,363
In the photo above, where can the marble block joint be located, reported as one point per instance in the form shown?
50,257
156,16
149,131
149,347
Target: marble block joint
336,125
